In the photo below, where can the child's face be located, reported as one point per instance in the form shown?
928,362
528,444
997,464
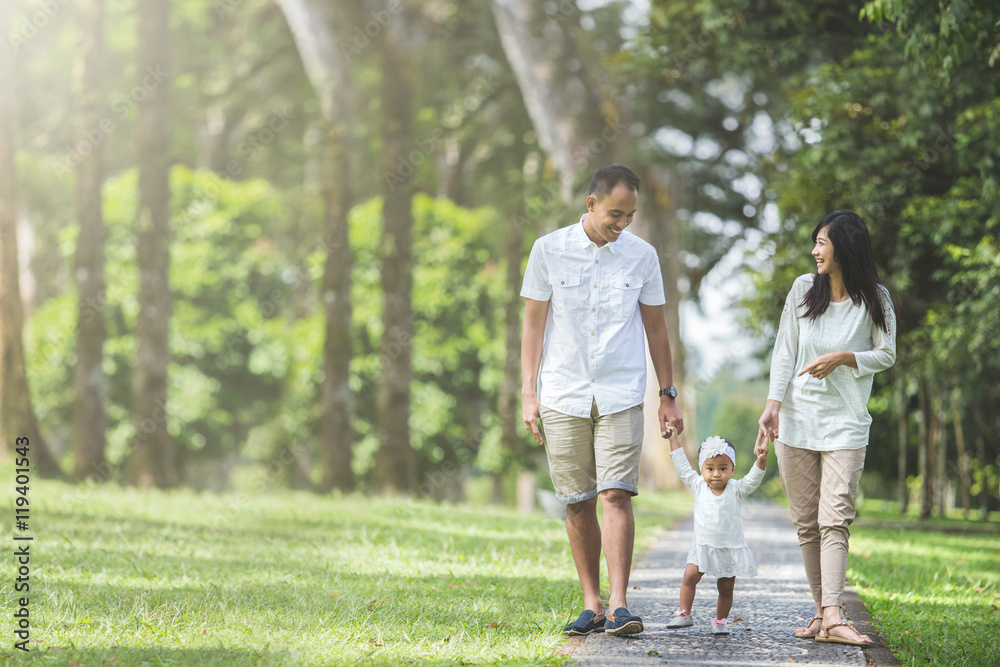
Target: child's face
717,471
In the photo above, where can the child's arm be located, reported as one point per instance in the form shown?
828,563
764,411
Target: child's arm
760,449
684,469
749,484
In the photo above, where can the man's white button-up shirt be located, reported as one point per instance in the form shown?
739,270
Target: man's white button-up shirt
593,347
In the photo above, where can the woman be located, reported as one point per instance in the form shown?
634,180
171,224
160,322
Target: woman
837,330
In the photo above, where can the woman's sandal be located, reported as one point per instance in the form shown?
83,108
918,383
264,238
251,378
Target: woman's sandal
813,635
840,640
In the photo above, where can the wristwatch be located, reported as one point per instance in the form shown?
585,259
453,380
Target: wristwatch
670,391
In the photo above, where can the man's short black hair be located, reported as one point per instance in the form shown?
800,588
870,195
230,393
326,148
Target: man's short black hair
606,179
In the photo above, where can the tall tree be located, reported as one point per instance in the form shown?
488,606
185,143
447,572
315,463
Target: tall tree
152,460
394,464
328,71
17,415
91,384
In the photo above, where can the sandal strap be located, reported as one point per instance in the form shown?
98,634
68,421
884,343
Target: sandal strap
827,628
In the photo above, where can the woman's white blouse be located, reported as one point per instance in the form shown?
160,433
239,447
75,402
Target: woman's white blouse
831,413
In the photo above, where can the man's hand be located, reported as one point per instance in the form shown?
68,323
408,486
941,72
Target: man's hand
669,417
530,406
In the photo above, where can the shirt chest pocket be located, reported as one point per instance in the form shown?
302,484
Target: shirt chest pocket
566,292
624,295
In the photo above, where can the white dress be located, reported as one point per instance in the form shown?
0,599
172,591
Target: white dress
719,548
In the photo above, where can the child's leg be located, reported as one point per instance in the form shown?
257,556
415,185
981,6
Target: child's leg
691,578
725,603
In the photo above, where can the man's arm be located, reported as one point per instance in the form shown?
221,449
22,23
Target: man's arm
655,324
532,335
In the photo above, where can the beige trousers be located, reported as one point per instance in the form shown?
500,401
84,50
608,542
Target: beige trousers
821,487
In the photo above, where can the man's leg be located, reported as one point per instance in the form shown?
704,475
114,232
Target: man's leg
618,539
585,540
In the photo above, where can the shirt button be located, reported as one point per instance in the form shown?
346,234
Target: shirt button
595,285
592,333
591,356
593,380
593,310
597,261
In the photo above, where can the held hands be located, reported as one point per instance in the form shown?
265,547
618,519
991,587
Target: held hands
760,449
669,418
768,422
670,433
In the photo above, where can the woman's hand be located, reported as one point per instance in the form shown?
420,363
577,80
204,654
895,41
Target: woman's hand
768,422
825,364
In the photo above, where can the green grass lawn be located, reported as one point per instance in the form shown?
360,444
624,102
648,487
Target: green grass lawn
127,577
934,595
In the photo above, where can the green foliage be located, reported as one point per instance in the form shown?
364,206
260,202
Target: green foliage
229,285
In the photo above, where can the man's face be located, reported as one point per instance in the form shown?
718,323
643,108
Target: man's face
608,217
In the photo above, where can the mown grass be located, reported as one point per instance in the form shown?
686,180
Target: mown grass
934,595
128,577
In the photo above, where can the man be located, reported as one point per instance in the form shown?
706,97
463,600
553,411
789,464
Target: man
590,289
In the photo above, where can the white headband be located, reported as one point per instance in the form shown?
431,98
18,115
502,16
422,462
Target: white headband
715,446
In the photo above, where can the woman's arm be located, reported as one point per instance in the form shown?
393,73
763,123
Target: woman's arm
883,352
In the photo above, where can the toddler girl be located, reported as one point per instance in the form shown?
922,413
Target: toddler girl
719,548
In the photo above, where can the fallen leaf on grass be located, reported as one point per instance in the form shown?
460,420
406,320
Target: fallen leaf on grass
494,624
737,620
652,652
335,595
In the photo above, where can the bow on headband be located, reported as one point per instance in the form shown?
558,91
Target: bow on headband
715,446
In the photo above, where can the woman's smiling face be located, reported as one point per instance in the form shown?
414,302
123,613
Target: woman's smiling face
823,253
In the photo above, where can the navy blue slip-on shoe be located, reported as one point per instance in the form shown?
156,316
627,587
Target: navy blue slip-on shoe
587,622
622,623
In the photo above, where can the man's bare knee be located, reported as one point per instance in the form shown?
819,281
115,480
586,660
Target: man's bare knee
616,497
582,508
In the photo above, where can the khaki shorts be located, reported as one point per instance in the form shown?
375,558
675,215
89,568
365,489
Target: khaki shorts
590,454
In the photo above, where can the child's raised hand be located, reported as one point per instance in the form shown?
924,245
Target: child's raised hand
761,449
670,433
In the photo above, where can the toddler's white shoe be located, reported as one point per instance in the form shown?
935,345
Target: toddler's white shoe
719,626
681,619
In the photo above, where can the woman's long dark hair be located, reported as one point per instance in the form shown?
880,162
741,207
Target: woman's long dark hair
852,249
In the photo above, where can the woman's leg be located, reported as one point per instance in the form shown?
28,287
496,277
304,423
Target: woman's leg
799,470
688,586
726,586
841,474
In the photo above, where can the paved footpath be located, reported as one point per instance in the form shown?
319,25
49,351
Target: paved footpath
771,605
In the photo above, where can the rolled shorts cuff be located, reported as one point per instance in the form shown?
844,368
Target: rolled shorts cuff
587,495
625,486
577,497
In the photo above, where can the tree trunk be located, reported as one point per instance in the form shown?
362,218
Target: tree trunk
330,76
564,109
963,457
940,456
337,431
152,461
925,457
509,406
983,491
91,384
17,415
901,422
394,463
